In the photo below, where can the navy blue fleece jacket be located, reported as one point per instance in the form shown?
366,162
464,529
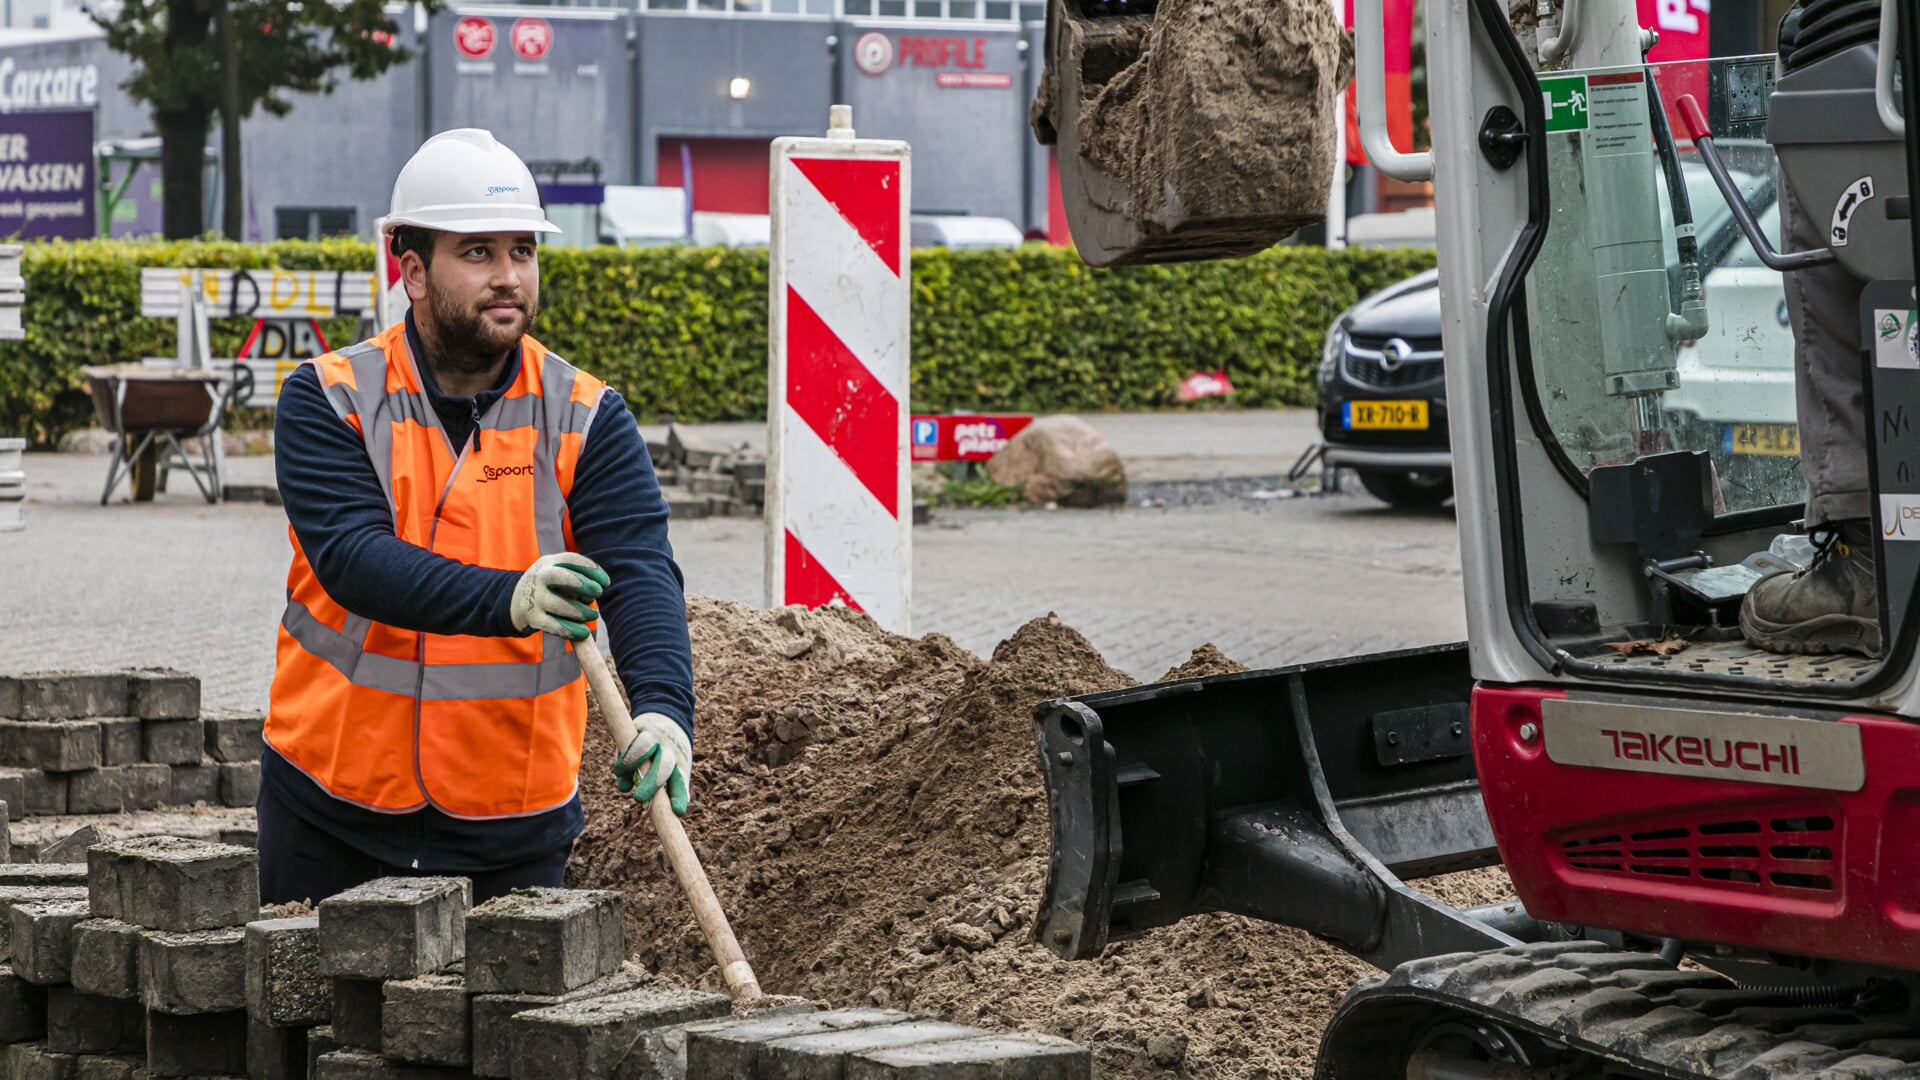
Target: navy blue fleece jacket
345,525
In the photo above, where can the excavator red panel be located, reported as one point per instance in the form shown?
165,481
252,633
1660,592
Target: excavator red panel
1793,869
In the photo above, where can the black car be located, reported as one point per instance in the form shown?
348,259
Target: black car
1383,395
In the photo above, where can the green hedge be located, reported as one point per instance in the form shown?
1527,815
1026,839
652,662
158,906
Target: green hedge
683,331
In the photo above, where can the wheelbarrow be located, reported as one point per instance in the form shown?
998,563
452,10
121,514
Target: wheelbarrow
150,410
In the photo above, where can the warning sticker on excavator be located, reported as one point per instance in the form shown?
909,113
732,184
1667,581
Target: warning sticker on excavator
1566,102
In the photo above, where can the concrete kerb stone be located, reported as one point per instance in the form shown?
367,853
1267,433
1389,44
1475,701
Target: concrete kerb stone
394,928
493,1035
320,1041
33,1061
823,1056
355,1016
276,1053
82,1023
173,742
589,1039
71,848
57,695
239,783
148,785
991,1057
11,895
196,783
349,1063
23,1008
283,980
97,791
119,740
106,958
18,875
543,941
108,1067
46,792
203,1044
13,790
234,737
41,938
167,883
53,745
428,1020
731,1047
193,971
162,694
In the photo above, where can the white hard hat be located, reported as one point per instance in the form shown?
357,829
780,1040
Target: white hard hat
465,181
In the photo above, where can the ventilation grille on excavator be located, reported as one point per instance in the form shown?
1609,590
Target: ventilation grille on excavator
1790,853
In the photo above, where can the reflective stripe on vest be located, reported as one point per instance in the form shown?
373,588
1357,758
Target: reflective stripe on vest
392,719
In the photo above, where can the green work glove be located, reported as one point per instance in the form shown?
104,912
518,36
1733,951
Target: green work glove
556,595
661,746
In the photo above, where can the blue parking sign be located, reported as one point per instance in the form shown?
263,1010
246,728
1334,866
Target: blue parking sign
925,433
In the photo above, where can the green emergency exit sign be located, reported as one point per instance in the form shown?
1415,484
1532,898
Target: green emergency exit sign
1566,102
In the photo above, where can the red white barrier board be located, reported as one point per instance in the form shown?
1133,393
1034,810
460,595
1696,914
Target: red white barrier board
839,503
964,436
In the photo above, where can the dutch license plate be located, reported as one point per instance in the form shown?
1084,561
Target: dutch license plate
1384,416
1771,440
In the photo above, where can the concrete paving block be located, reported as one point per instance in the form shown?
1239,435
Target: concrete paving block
58,695
355,1016
80,1023
284,984
543,941
11,895
56,745
195,783
239,783
163,694
731,1046
33,1061
71,848
36,874
148,785
23,1008
46,792
352,1064
172,742
759,1048
589,1039
276,1053
991,1057
492,1035
194,971
106,958
234,736
13,790
320,1041
41,939
119,740
394,928
428,1020
168,883
108,1066
203,1044
97,791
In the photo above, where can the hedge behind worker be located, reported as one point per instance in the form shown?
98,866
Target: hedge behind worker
460,501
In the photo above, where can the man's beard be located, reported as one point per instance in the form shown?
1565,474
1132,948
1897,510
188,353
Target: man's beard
469,340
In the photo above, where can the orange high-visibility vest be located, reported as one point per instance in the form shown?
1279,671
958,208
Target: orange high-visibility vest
395,720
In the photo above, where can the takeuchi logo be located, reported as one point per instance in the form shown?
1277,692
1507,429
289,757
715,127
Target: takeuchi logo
1714,753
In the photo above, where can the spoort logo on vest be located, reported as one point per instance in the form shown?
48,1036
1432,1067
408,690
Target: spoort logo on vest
496,472
530,38
473,36
65,87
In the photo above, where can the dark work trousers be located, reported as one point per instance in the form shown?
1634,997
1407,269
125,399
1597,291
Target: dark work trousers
301,862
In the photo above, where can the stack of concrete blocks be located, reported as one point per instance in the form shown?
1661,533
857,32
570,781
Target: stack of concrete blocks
705,477
13,476
109,742
13,484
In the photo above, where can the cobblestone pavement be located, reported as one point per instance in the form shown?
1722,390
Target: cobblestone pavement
179,583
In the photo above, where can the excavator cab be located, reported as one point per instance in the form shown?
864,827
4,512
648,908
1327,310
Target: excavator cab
1707,840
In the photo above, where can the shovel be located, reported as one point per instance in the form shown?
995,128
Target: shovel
686,865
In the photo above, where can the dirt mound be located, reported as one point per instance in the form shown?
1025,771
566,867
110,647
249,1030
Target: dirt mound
871,812
1206,660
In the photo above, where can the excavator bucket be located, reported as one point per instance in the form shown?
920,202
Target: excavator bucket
1191,129
1299,795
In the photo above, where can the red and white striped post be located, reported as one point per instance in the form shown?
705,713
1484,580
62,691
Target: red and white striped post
839,499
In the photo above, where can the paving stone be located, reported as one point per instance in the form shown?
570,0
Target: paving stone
355,1017
661,1054
97,791
80,1023
736,1046
234,736
71,848
351,1064
108,1066
106,956
203,1044
172,742
394,928
57,745
119,740
194,971
23,1008
33,1061
163,694
276,1053
492,1035
196,783
320,1041
428,1020
543,941
284,984
41,939
239,783
589,1039
167,883
56,695
148,785
46,792
992,1057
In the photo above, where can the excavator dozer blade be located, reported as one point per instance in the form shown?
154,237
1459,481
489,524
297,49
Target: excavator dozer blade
1299,795
1191,129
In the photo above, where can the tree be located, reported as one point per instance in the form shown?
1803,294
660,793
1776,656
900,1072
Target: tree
277,47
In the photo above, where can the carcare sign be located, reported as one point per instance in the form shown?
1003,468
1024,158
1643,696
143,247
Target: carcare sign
964,436
47,175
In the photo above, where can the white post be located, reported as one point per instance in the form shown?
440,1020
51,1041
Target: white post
1337,196
390,302
839,512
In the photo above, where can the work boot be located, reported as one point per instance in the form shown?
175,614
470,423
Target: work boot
1831,606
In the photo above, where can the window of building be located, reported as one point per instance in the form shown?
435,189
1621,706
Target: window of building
313,222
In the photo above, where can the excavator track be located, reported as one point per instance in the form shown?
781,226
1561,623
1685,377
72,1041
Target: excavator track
1578,1010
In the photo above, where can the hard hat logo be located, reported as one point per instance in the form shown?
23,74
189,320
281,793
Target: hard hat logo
442,187
499,189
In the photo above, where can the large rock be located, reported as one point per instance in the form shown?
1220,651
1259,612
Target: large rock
1061,459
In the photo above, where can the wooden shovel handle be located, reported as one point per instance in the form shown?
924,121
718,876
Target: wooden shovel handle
673,837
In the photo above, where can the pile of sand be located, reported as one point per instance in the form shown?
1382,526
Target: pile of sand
870,810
